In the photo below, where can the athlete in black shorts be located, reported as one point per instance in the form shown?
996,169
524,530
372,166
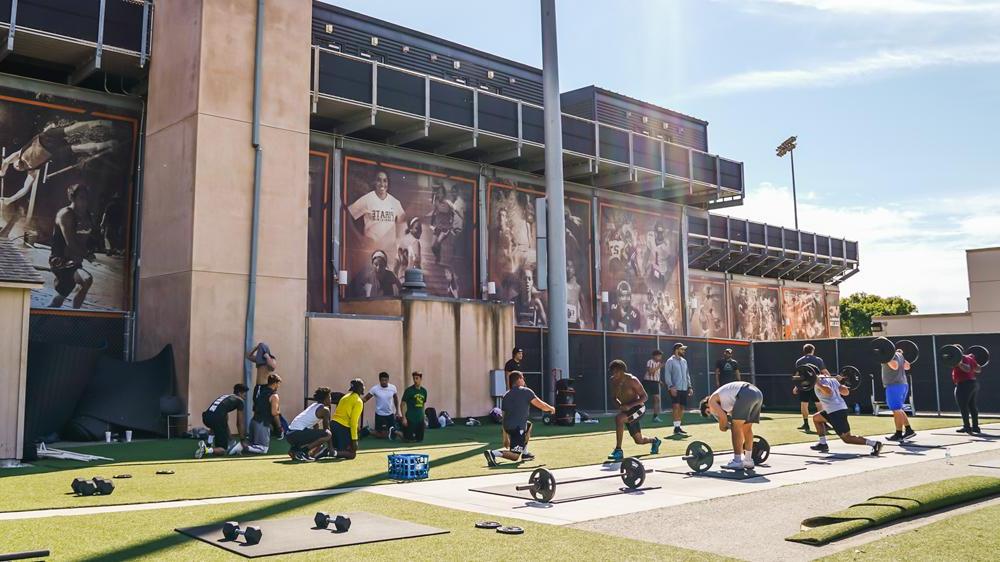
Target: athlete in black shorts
805,398
216,419
631,397
516,405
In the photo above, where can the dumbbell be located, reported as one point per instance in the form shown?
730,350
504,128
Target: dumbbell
96,485
251,534
340,523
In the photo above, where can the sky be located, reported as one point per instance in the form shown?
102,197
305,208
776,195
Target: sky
894,103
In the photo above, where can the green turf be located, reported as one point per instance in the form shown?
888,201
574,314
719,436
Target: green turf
149,534
969,536
455,451
898,504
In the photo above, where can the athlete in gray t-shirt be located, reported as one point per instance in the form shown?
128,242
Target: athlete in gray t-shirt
834,413
896,389
516,406
897,375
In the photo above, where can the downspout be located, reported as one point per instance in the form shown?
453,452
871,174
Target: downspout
255,214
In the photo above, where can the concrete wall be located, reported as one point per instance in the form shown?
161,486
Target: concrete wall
15,307
984,282
453,343
198,190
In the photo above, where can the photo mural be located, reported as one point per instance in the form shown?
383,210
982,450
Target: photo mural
804,313
755,312
398,216
708,315
513,255
833,312
640,269
66,177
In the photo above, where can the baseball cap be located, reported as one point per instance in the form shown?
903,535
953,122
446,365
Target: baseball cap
679,345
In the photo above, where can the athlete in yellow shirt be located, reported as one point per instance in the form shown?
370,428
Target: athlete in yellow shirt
344,424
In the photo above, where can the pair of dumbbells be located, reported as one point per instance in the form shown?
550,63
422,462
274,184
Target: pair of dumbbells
95,485
251,535
340,523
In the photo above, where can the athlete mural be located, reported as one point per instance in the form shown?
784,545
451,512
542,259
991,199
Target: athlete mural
707,313
755,312
804,312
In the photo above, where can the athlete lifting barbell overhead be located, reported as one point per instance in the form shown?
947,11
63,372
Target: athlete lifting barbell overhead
736,406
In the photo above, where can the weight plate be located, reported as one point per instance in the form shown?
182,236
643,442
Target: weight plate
950,355
543,485
164,471
883,349
850,377
981,354
910,350
510,530
761,450
488,524
699,456
633,472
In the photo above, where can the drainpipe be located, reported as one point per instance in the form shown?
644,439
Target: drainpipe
255,216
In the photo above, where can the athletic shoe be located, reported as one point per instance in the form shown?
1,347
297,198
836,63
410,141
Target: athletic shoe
655,448
657,419
748,464
491,459
302,456
392,433
876,448
963,429
821,447
236,448
526,456
323,452
898,436
200,451
909,433
976,429
679,431
735,464
617,455
804,426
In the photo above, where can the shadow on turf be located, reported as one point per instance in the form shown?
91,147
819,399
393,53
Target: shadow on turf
151,547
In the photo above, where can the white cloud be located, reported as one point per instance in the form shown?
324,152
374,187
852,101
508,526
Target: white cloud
869,66
914,249
894,7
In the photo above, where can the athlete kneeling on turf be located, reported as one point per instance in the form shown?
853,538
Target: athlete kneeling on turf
631,398
834,413
216,419
345,421
736,404
516,406
309,433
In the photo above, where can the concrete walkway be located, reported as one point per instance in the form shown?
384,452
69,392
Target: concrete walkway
795,464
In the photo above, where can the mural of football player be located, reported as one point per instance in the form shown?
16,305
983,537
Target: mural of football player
622,316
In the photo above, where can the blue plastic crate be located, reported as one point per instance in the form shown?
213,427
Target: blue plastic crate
409,466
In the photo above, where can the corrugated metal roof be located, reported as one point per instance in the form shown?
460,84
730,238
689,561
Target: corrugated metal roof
15,267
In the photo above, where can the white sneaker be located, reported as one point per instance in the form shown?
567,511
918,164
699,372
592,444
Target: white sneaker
236,449
200,451
735,464
748,464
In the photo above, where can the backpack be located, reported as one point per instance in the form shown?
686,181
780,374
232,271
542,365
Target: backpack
432,418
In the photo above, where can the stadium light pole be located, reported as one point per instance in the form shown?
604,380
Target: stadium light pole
788,147
558,338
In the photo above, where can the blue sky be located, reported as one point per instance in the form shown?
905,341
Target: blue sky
894,103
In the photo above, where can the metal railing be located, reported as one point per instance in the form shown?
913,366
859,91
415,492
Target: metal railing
676,163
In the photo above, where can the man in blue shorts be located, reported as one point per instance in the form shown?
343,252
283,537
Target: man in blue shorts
897,387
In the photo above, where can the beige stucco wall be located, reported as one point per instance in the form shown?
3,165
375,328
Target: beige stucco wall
198,190
15,306
925,324
454,343
984,282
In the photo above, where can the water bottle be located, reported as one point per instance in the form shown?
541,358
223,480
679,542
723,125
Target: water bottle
857,408
947,455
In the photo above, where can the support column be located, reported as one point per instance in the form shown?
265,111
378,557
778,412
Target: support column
198,194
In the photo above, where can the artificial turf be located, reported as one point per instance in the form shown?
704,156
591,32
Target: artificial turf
149,534
455,452
894,505
969,536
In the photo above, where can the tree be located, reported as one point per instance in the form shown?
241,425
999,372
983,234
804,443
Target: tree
856,312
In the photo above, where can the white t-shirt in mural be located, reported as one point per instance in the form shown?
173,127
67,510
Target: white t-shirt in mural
380,214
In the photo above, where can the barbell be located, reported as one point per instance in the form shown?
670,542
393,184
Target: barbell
700,457
542,482
951,355
885,350
806,375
